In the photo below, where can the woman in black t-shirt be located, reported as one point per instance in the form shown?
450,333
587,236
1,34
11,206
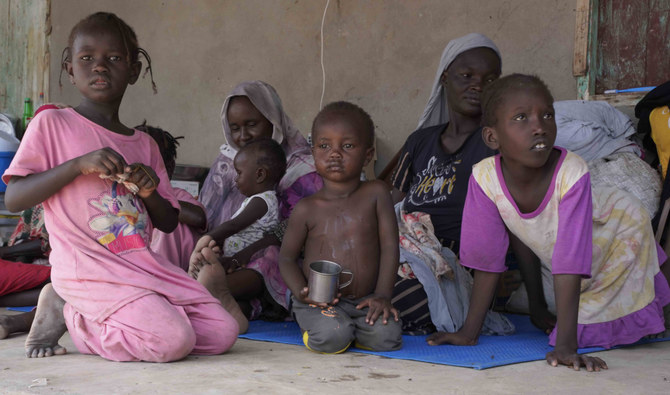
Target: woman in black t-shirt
436,161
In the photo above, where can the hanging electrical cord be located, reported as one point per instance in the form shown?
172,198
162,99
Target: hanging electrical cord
323,68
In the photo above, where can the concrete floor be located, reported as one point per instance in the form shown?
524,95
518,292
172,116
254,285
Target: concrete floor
270,368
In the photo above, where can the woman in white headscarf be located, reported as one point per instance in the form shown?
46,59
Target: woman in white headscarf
258,284
436,161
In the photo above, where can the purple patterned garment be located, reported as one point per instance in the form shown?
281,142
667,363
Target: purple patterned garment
222,199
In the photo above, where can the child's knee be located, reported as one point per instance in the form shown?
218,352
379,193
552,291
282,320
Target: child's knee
222,342
330,341
172,346
381,337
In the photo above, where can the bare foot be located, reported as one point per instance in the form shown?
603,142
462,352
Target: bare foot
193,270
213,277
48,326
457,339
15,323
543,320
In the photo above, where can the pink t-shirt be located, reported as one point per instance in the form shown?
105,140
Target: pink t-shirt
178,245
99,231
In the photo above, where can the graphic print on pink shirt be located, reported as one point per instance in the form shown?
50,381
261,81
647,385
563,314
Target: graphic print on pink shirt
122,224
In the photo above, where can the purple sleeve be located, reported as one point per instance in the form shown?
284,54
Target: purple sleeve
484,239
302,187
573,251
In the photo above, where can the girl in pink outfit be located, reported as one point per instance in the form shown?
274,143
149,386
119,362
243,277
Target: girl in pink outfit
105,188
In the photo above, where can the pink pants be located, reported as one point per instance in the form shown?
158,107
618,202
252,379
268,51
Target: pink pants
154,330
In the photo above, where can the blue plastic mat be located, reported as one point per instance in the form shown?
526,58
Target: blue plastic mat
527,344
24,309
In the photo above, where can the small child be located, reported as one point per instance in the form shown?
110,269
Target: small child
598,243
260,165
177,245
104,187
350,222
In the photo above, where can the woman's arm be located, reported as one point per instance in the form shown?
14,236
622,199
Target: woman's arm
482,293
397,195
388,170
400,178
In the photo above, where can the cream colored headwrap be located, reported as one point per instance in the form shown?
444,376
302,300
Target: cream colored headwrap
436,111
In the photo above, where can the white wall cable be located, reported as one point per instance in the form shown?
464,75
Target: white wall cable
323,68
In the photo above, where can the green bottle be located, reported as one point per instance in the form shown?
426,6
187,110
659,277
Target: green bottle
27,112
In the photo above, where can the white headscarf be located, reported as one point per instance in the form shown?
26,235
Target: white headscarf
266,100
436,111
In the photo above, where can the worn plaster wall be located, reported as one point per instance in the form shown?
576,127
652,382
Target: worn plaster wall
381,55
24,53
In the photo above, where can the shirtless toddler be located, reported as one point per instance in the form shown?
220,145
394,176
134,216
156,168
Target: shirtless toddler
350,222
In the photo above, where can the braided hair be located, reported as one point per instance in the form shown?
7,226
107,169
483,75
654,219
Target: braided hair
102,20
167,144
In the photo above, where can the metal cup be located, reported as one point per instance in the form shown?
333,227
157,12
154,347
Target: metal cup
324,278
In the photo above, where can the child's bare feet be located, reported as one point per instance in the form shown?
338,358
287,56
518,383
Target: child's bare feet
193,270
213,277
48,326
15,323
457,339
543,319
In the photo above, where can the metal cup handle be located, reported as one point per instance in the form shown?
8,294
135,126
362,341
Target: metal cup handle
349,272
